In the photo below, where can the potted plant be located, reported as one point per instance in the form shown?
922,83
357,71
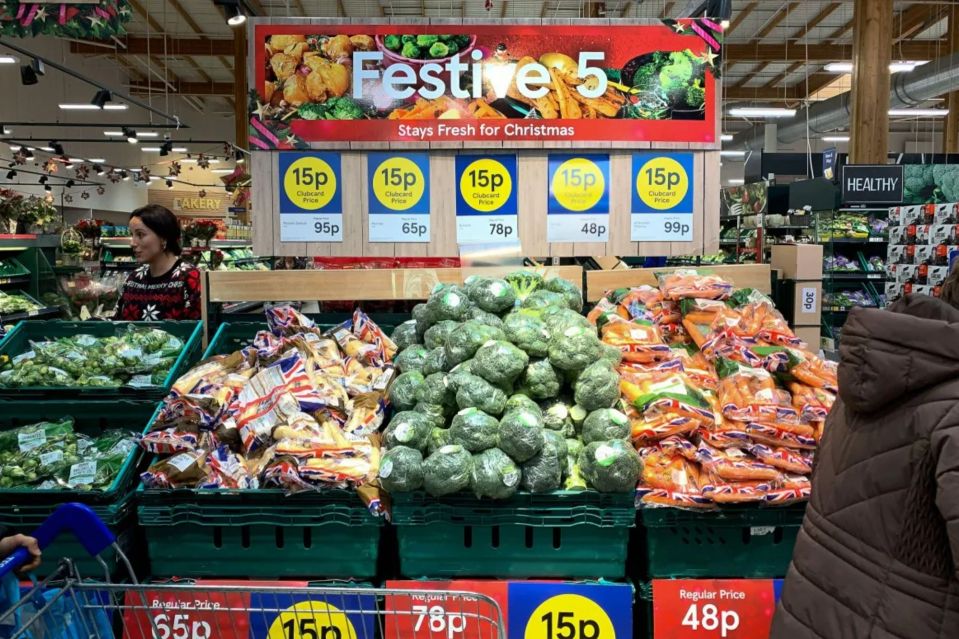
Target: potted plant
11,207
202,231
37,215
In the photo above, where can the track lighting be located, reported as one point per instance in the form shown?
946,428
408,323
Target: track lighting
71,184
98,169
130,134
102,97
11,175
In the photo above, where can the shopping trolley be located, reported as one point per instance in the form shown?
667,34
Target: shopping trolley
65,606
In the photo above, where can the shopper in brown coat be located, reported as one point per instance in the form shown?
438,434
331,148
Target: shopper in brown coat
878,553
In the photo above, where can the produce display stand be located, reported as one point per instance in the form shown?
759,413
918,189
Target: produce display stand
25,267
757,276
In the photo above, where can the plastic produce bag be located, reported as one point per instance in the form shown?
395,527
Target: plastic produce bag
447,471
474,430
494,475
401,470
684,284
640,341
669,479
610,466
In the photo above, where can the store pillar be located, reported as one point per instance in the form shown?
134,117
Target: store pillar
950,140
870,81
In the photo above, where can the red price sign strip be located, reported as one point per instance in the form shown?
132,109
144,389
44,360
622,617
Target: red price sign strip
713,608
188,614
543,610
438,616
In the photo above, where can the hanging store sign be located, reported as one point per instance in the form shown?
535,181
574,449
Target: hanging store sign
578,207
426,83
486,202
663,197
872,183
311,204
829,157
714,608
399,197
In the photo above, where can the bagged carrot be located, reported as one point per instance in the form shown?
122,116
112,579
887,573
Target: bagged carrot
774,436
669,480
750,394
813,404
719,438
792,461
733,492
795,488
684,284
732,464
639,340
601,312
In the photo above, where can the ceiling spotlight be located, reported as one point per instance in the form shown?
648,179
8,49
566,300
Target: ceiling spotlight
30,73
166,147
98,169
169,184
28,153
71,184
239,157
102,97
43,179
125,176
130,134
234,14
47,188
11,175
57,147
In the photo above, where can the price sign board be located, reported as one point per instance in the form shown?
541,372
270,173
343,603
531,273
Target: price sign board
399,196
486,202
663,196
714,608
185,615
539,610
279,615
578,208
311,203
433,616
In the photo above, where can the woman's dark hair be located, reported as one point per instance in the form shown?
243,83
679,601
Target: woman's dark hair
950,288
163,222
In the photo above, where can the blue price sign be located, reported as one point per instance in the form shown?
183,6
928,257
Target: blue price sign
663,196
578,209
486,202
399,196
311,204
285,615
576,611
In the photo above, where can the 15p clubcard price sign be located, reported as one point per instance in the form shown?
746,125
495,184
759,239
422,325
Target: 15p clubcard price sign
714,608
540,610
399,197
486,202
578,206
663,196
311,202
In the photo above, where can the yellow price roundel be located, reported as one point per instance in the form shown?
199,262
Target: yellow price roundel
486,185
571,617
398,183
578,184
662,183
312,620
310,183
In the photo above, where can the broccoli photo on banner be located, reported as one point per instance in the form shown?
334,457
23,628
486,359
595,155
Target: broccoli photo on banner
930,183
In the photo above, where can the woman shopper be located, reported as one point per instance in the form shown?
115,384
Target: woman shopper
878,553
164,287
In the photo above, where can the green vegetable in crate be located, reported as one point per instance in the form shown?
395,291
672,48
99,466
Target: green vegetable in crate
524,283
570,292
492,295
573,448
434,413
449,303
499,362
437,334
474,391
556,416
597,386
605,424
575,348
463,343
527,332
412,359
557,320
403,390
408,428
16,303
494,475
447,471
460,373
522,401
401,470
521,434
610,466
405,335
540,380
421,315
436,389
488,319
542,299
439,437
543,472
435,361
474,430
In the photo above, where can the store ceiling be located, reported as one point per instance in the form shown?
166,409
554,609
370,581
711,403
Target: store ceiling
775,50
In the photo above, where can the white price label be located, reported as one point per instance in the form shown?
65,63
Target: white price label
301,227
391,227
30,440
810,299
711,619
436,619
82,473
566,227
661,227
487,229
52,457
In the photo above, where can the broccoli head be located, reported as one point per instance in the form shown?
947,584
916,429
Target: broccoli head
403,390
447,470
343,108
524,283
521,434
474,391
559,319
597,386
490,294
612,354
611,466
540,380
393,42
458,374
474,430
439,437
434,413
426,41
521,400
570,292
556,416
438,333
946,177
405,335
677,75
499,362
696,95
919,183
412,359
435,362
463,343
410,50
605,424
529,333
439,50
312,111
542,299
448,303
436,389
407,38
543,472
483,317
401,470
494,475
408,428
421,315
575,348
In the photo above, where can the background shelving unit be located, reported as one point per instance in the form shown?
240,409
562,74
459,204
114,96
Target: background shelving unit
30,259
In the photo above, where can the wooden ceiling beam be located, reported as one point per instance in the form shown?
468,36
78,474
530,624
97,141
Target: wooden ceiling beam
185,88
827,11
791,51
914,20
136,45
769,27
741,16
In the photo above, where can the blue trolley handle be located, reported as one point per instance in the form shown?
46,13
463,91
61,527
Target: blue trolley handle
77,519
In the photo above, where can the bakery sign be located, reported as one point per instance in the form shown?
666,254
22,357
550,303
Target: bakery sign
197,204
215,204
428,82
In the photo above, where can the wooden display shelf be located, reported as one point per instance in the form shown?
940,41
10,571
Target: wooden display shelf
757,276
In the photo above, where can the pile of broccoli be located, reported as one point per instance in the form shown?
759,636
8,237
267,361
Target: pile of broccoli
506,386
424,47
335,108
669,80
930,183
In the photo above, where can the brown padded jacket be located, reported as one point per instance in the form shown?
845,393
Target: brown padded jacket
878,553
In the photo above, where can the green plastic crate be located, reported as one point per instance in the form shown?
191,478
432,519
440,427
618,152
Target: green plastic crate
233,336
119,517
738,542
18,340
562,534
90,418
259,534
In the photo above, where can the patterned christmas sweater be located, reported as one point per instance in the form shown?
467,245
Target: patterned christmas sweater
175,295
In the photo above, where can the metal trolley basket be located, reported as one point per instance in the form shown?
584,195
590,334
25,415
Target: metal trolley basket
63,606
